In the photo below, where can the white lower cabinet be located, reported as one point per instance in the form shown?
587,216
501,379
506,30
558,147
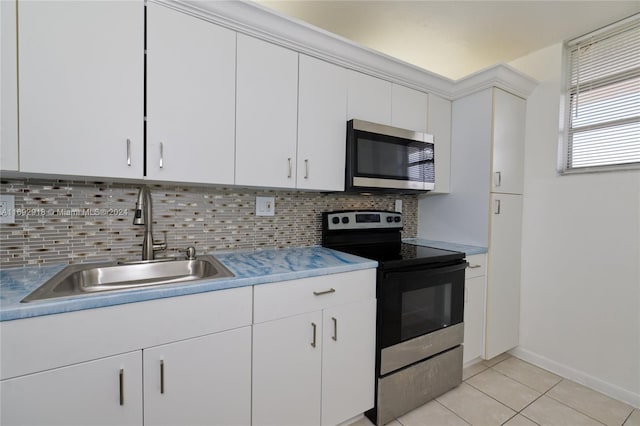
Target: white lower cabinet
107,391
473,319
348,359
474,291
286,370
308,360
200,381
315,367
190,356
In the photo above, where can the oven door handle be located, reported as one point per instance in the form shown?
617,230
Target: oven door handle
426,272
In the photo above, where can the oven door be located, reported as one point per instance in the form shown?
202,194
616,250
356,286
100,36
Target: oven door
420,301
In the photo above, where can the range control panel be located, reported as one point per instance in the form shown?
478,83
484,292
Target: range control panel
336,221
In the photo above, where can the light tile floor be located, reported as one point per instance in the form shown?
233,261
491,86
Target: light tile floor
508,391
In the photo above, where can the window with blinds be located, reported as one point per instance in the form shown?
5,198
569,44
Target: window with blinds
604,99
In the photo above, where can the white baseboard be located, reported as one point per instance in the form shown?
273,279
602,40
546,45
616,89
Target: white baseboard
578,376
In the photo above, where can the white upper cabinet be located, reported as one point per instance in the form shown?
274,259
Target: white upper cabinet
439,125
9,84
81,79
266,114
190,98
369,98
508,143
322,124
409,108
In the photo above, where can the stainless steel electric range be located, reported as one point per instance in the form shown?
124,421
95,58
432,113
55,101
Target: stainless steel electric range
420,293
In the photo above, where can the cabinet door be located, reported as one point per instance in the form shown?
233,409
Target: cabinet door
81,81
369,98
190,98
439,126
286,371
473,318
103,392
348,361
322,124
409,108
503,274
201,381
508,142
9,84
266,114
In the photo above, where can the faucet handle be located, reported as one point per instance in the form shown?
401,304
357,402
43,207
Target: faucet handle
160,245
190,252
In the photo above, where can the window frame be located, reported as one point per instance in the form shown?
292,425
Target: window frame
565,106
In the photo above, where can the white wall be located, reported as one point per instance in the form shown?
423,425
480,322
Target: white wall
580,313
445,217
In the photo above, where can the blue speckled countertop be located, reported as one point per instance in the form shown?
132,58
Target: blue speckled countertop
249,268
469,250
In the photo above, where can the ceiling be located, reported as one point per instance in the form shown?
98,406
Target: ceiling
455,38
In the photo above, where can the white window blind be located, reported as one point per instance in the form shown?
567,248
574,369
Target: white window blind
604,99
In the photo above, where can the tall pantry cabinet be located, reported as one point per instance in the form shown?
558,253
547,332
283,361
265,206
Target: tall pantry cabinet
505,224
484,207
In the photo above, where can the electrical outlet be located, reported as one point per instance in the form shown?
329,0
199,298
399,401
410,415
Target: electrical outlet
7,208
265,206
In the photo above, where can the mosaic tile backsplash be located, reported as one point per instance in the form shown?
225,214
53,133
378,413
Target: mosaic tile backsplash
74,222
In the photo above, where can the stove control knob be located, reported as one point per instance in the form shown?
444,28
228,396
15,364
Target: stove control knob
345,219
335,220
397,219
389,219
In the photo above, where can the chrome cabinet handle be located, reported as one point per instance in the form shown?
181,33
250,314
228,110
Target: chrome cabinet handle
496,207
161,156
313,343
335,329
129,152
306,169
162,376
122,386
497,179
473,266
320,293
290,167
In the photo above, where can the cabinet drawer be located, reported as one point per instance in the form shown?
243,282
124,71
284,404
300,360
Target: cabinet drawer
279,300
477,266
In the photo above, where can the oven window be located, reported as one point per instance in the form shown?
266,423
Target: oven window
425,310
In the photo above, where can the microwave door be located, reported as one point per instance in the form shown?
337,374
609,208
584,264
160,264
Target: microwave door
391,164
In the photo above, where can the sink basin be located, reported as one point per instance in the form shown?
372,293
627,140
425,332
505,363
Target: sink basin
79,280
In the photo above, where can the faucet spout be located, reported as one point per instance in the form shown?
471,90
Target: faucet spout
143,216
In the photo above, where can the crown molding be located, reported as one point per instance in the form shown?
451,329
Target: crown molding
250,18
500,75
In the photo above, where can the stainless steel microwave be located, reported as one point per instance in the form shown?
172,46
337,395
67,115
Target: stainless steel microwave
388,159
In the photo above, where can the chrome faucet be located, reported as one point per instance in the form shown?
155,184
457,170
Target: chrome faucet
143,216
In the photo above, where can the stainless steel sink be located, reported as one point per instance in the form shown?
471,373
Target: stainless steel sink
79,280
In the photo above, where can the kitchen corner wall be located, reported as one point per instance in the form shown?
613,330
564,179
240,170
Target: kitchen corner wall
73,222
